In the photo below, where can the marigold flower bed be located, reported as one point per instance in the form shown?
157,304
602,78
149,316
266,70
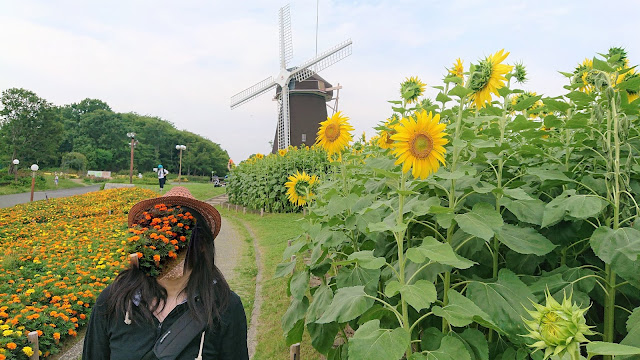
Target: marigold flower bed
58,256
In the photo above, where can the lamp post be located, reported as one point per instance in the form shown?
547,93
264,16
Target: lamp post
34,168
15,169
180,147
131,135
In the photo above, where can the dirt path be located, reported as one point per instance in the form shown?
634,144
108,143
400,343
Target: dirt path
252,335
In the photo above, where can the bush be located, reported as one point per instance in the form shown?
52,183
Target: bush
259,182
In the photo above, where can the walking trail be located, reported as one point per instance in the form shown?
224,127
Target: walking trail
229,247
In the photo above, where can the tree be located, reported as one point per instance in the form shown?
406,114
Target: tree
29,127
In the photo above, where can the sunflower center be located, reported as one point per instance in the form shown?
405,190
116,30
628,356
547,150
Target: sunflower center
388,136
421,146
332,132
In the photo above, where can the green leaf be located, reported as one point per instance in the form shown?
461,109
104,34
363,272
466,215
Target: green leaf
373,343
505,301
284,269
299,284
384,226
461,311
529,211
419,295
295,334
438,252
548,174
609,245
551,121
392,288
296,312
481,221
441,97
459,91
323,336
526,103
322,298
517,194
607,348
475,343
602,65
419,206
555,105
293,249
348,303
632,84
576,123
584,206
524,240
450,349
358,275
521,123
634,320
367,260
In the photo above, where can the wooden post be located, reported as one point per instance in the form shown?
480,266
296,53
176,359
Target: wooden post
262,212
244,210
289,242
33,339
304,211
236,208
133,260
294,352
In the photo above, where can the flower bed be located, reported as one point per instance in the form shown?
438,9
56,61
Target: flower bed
58,256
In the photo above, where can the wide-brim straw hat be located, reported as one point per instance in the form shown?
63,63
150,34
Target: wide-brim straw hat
178,195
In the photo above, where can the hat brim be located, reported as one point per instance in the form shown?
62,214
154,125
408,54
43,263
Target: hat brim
208,212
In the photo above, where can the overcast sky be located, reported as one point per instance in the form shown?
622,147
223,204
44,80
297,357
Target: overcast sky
183,60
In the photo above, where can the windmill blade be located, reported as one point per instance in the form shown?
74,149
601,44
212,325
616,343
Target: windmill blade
286,45
284,125
322,61
252,92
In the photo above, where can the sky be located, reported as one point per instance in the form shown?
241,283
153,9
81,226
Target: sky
183,60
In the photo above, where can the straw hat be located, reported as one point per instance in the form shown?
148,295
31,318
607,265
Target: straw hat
178,195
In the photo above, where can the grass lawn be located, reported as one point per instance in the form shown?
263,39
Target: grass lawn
49,185
200,191
273,231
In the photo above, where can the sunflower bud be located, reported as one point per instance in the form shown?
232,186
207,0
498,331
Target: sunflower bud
558,328
520,73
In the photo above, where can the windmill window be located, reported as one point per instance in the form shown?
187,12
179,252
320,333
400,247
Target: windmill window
304,137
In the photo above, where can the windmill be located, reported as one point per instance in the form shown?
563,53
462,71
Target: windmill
301,81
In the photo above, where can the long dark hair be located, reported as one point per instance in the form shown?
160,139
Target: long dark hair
206,286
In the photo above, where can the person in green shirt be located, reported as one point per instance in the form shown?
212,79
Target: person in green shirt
173,302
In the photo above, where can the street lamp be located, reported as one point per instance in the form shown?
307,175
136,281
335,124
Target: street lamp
34,168
131,135
15,168
180,147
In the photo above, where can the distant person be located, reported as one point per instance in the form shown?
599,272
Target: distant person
162,176
55,180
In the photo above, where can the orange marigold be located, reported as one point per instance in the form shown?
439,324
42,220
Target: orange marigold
156,257
11,346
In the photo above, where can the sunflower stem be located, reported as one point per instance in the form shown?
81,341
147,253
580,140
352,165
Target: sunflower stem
401,260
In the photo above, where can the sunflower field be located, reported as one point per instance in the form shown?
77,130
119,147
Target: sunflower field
58,255
487,223
259,182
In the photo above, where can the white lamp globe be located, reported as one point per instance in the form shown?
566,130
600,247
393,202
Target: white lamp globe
35,167
16,161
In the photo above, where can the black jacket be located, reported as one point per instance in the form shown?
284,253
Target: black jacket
109,338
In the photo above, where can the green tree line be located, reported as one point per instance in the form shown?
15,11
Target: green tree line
89,135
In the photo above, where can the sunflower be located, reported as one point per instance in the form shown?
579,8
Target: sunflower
259,156
518,98
580,75
334,134
419,144
488,78
282,152
384,141
299,188
411,89
631,74
458,69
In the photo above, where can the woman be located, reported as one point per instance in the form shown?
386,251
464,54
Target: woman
175,303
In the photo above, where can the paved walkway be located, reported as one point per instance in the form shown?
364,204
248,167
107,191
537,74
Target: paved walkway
15,199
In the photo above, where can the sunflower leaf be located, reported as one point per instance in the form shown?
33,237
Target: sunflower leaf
459,91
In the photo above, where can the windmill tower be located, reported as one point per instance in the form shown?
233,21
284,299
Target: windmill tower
301,93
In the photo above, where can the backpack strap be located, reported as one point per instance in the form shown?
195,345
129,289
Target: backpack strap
178,336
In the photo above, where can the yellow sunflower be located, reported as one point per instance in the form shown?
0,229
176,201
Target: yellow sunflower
384,141
631,74
334,133
411,89
488,78
419,144
457,69
259,156
581,74
300,188
282,152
